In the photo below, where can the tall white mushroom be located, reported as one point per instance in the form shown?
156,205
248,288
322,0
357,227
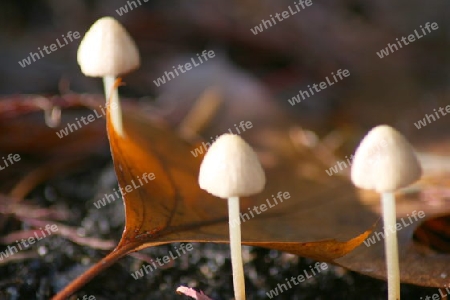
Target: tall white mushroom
231,169
386,162
107,50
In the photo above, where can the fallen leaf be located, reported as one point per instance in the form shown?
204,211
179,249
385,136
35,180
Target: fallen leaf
304,219
323,211
435,234
423,242
173,208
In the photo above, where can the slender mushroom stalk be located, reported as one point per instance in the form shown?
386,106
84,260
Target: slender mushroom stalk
235,249
390,245
229,170
107,50
395,166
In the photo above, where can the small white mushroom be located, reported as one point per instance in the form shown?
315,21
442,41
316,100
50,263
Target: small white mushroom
386,162
231,169
107,50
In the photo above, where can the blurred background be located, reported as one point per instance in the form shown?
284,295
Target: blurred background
301,50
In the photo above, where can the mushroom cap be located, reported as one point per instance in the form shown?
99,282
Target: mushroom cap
384,161
107,50
231,168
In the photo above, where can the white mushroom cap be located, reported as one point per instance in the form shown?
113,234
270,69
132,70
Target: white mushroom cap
231,168
384,161
107,50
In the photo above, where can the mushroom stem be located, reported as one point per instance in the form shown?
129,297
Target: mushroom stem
391,248
229,170
235,246
112,94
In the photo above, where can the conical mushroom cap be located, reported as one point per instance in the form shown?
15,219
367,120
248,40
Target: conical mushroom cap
107,50
231,168
384,161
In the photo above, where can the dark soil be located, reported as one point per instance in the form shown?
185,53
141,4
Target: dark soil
207,267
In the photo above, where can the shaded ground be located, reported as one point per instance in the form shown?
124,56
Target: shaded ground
207,267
